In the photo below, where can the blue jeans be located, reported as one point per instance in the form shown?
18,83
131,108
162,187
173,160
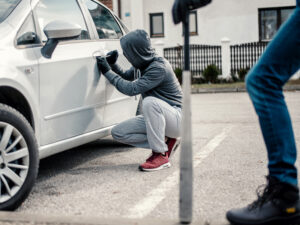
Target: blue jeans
264,83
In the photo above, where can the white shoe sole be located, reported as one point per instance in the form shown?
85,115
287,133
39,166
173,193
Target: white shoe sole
164,166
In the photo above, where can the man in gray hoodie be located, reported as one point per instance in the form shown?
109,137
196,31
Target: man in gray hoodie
159,126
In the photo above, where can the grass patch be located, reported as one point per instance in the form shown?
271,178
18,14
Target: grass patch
236,85
227,85
293,82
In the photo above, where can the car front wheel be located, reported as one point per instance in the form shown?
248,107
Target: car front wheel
18,158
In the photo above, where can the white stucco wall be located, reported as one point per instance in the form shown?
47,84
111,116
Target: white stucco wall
115,7
126,9
234,19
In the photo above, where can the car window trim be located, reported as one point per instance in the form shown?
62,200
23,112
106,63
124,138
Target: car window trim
87,18
93,23
37,33
120,24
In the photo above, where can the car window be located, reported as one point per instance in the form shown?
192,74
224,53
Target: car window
106,25
27,34
6,7
66,10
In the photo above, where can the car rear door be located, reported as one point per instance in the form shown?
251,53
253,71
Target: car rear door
72,95
119,107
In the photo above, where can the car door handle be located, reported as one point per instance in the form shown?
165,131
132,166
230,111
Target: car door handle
96,54
101,53
29,70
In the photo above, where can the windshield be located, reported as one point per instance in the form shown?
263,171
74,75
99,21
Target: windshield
6,7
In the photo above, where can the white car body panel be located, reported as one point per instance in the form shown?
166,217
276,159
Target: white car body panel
117,104
71,105
72,94
13,66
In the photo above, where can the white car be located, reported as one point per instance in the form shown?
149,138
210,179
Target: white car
52,97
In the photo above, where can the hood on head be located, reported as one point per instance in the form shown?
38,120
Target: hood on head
137,48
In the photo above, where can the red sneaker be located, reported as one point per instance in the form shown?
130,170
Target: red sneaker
173,144
156,161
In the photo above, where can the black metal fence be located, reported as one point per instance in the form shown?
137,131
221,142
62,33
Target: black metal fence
244,56
200,57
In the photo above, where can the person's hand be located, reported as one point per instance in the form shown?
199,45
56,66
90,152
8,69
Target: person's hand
102,64
112,57
181,7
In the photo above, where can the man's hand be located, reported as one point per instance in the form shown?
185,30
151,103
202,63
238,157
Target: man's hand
103,66
112,57
181,7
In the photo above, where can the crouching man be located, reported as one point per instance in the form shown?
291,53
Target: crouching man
151,76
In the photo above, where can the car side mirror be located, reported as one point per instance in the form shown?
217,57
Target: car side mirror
57,31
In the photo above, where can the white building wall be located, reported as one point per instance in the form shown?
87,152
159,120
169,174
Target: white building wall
115,7
137,14
234,19
126,15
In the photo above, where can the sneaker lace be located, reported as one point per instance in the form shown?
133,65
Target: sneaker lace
265,193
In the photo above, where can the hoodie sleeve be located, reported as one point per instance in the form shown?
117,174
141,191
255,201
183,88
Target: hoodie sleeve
127,75
151,79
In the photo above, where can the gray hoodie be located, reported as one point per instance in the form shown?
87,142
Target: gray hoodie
156,78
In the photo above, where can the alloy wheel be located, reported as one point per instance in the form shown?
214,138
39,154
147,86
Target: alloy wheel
14,161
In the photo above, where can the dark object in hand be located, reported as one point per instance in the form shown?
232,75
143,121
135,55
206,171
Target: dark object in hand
181,7
103,66
112,57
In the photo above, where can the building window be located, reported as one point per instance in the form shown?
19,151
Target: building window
193,23
271,19
157,25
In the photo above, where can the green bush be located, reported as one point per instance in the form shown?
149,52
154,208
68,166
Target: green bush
211,73
234,78
242,73
198,80
178,73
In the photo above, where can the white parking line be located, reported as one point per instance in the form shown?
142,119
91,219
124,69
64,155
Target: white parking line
154,197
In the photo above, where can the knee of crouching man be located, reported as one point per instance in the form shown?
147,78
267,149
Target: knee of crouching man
115,133
148,103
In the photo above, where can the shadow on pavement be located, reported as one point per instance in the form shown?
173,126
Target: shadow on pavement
69,159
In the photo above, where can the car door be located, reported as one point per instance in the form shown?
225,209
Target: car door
72,94
119,107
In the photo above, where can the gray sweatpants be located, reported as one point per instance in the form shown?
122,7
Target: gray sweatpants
159,119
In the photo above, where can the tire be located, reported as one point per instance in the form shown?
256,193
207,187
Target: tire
19,158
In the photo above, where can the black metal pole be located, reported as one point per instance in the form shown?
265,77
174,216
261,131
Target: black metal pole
186,29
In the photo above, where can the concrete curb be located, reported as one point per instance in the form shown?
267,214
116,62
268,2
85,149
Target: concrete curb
15,218
231,90
216,90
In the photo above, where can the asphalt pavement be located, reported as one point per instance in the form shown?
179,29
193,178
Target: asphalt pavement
102,180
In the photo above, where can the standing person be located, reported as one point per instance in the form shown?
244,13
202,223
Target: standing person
279,202
159,126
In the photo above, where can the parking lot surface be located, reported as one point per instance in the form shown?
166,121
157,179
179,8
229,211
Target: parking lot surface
102,178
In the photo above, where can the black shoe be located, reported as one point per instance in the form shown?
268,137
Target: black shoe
278,203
